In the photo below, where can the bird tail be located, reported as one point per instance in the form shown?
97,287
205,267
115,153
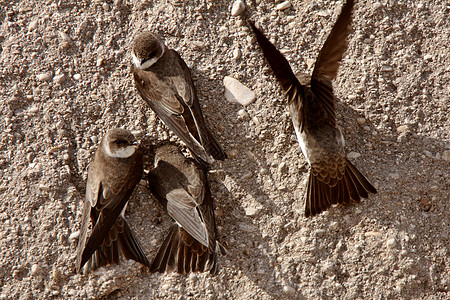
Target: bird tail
120,239
213,147
181,253
350,188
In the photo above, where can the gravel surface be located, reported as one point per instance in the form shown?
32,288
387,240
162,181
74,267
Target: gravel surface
64,81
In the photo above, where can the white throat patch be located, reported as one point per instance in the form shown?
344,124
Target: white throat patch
148,63
120,153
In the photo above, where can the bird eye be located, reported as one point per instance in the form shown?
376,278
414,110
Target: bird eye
120,142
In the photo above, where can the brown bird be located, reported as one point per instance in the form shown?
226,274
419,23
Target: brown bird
164,82
112,177
180,186
333,178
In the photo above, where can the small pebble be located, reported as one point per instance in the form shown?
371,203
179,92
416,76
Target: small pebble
323,13
428,57
289,290
242,113
64,36
353,155
334,225
33,25
74,235
59,78
251,211
247,176
237,53
283,5
35,269
77,76
391,243
372,233
402,129
361,121
386,68
44,76
446,155
236,92
237,8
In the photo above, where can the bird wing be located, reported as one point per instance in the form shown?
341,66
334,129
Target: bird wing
284,74
328,61
181,192
172,108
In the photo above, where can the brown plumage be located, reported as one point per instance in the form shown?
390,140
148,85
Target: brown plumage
180,185
164,82
332,178
112,177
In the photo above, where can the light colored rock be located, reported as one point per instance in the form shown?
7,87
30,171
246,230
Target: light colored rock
353,155
323,13
59,78
236,92
35,270
402,129
289,290
372,233
446,155
237,53
283,5
386,68
391,243
33,25
237,8
361,121
242,113
44,76
428,57
77,76
251,211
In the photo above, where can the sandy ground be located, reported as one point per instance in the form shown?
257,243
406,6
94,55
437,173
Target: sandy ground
65,81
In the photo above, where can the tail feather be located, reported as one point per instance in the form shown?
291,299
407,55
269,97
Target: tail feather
183,256
213,147
122,240
350,188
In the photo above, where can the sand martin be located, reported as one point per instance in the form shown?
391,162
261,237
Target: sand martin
164,82
112,177
180,185
332,178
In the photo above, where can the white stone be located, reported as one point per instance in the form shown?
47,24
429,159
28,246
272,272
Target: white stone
360,120
446,155
323,13
428,57
59,78
74,235
402,129
353,155
35,269
237,53
289,290
77,76
283,5
386,68
33,25
251,211
391,243
236,92
237,8
44,76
